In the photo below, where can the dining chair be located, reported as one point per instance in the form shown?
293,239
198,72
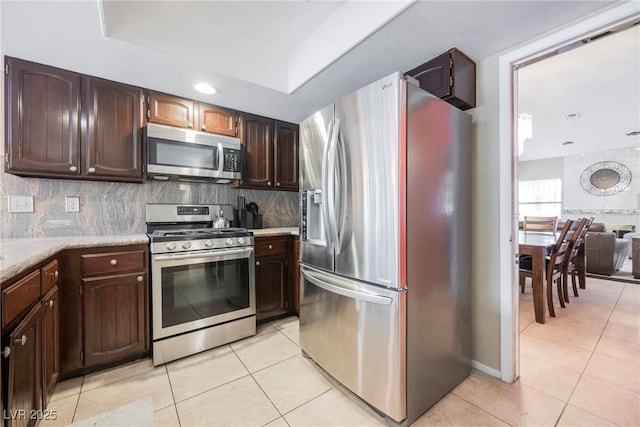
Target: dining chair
571,266
541,223
554,265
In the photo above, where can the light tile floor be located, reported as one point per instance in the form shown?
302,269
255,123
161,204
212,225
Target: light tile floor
580,368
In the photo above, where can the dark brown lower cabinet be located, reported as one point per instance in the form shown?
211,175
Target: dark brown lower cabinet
50,351
114,317
271,291
24,380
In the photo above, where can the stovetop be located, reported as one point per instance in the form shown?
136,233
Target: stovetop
198,233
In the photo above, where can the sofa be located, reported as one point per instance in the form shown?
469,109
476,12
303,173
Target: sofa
605,253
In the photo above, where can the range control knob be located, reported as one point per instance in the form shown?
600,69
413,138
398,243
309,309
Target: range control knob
228,242
208,243
186,245
241,240
171,246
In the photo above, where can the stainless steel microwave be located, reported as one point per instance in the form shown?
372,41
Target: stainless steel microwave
189,155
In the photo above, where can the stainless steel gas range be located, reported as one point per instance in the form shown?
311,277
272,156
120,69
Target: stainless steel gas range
202,280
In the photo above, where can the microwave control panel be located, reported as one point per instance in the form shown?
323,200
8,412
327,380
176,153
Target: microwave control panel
231,160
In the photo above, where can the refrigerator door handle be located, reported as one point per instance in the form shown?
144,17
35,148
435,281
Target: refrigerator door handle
342,199
325,183
372,298
331,186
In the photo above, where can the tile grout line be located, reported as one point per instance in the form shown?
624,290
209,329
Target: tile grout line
582,373
75,410
173,397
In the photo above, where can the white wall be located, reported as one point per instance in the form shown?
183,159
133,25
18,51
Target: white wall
541,169
622,208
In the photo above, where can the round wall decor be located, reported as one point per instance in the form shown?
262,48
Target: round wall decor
605,178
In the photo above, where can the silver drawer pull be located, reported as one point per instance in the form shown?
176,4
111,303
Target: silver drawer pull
55,273
257,262
139,278
270,246
73,168
92,169
51,303
6,352
113,262
22,340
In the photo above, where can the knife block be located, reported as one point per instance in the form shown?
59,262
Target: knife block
254,222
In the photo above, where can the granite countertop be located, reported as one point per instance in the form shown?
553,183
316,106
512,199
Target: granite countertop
19,255
276,231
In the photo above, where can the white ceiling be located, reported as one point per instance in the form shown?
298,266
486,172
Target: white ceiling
69,34
600,81
276,44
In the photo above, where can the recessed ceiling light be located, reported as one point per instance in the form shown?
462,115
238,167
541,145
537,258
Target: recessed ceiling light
633,133
567,143
205,88
572,116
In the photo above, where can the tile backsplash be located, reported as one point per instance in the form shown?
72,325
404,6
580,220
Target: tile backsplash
119,208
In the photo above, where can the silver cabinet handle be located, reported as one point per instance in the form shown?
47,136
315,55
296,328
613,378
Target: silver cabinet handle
257,262
6,352
73,168
51,303
92,169
203,127
113,262
277,184
55,273
269,183
270,246
22,340
189,125
139,278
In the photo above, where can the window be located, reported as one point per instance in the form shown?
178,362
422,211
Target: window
541,197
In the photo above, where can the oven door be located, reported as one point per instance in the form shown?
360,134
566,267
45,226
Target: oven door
194,290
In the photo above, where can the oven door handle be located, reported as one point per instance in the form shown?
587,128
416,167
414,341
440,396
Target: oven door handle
211,254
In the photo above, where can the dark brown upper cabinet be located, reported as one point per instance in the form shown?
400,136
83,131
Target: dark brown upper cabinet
47,107
43,119
270,154
185,113
113,141
286,156
450,76
171,111
218,120
257,161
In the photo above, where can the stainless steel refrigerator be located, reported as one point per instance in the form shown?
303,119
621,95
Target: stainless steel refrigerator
386,245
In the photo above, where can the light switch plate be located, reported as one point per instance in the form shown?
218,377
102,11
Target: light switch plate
72,204
20,204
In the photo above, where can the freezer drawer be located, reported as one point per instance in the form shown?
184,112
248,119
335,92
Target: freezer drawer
357,333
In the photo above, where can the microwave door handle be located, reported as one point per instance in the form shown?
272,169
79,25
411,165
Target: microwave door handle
220,159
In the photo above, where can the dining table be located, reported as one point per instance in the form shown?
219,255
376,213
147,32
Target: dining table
537,245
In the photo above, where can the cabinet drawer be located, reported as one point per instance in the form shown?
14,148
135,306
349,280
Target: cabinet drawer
49,276
115,262
271,246
19,296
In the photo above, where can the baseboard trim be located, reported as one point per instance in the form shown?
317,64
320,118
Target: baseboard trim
486,369
613,278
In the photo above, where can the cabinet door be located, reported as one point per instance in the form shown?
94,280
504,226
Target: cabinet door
114,317
217,120
50,350
286,156
114,115
257,163
43,126
171,110
24,375
271,287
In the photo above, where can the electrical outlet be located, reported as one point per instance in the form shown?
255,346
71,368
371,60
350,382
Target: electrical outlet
20,203
72,204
